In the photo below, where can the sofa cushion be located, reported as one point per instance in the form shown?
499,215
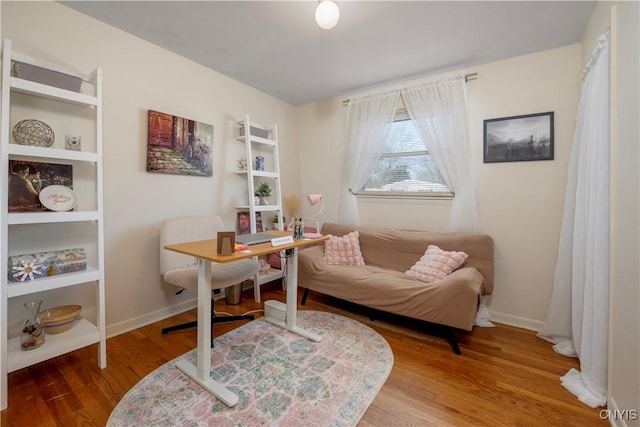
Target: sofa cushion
343,250
436,264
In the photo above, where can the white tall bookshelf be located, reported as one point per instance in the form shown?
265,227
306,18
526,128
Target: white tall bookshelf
261,140
71,112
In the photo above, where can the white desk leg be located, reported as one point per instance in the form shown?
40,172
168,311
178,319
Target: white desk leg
292,289
204,318
292,299
200,373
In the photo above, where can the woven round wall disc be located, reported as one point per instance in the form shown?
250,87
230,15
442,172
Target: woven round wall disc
33,132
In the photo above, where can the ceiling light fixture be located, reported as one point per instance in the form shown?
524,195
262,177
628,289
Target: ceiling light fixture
327,14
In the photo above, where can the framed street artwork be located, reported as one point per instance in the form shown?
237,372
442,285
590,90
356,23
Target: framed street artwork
176,145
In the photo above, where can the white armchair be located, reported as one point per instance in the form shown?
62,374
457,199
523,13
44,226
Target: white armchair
182,270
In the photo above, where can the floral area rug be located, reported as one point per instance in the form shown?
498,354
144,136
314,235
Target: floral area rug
281,378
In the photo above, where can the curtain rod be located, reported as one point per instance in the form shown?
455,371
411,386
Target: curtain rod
467,77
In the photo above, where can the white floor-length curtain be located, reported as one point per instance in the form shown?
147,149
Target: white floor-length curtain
577,322
439,108
369,119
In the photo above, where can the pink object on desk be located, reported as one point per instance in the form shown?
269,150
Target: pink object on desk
314,199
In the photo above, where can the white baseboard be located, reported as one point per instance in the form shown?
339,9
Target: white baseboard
518,322
155,316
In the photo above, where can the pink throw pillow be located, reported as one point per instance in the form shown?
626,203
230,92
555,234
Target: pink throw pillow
436,264
343,250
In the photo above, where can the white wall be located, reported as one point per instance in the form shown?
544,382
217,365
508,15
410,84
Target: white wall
624,291
623,20
520,203
137,77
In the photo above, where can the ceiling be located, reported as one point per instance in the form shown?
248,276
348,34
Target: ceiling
276,46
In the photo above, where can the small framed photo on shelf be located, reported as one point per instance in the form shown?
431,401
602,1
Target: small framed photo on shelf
244,222
259,227
519,138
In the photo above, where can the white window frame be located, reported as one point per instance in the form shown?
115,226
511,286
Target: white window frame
402,114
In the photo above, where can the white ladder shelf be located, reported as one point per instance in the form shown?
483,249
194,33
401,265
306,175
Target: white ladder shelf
262,140
63,108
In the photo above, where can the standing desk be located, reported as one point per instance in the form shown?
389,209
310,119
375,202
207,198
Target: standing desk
206,251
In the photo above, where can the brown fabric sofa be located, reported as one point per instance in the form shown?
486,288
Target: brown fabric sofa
382,284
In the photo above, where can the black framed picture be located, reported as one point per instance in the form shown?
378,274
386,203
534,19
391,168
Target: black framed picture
519,138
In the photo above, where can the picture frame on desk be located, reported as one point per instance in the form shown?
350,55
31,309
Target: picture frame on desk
27,179
225,242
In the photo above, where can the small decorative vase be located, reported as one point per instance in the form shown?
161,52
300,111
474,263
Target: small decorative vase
32,328
264,201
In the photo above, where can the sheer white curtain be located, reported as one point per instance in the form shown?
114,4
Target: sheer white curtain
577,322
440,110
369,118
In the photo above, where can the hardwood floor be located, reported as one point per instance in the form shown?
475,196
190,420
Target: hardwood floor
504,377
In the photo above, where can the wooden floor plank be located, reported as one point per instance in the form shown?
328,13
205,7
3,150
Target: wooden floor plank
505,376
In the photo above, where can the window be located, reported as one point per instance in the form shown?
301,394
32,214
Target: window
406,168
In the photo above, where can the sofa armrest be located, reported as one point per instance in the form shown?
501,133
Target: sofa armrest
310,262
